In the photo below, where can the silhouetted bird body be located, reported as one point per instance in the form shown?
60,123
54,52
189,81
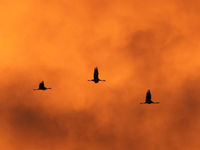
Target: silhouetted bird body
42,87
96,76
148,99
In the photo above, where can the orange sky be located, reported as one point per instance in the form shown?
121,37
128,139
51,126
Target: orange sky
137,45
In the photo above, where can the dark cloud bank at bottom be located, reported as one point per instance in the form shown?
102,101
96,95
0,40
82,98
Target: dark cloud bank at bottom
130,126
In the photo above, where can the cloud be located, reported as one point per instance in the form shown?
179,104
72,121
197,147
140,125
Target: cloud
137,45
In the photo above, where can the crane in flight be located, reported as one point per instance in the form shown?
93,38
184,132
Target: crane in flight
96,76
42,87
148,99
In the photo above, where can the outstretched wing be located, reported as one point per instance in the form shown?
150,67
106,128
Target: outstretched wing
148,97
96,73
41,85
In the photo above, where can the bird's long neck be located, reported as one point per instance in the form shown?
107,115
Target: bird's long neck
102,80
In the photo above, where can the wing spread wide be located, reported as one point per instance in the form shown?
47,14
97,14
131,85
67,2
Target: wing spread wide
41,86
96,73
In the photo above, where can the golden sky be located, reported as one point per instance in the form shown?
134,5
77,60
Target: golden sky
136,44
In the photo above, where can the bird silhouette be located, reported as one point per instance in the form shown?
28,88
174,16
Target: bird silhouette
96,76
42,87
148,99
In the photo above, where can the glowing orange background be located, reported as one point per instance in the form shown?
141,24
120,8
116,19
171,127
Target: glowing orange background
137,45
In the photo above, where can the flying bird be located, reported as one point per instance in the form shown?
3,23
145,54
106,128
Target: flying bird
148,99
42,87
96,76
